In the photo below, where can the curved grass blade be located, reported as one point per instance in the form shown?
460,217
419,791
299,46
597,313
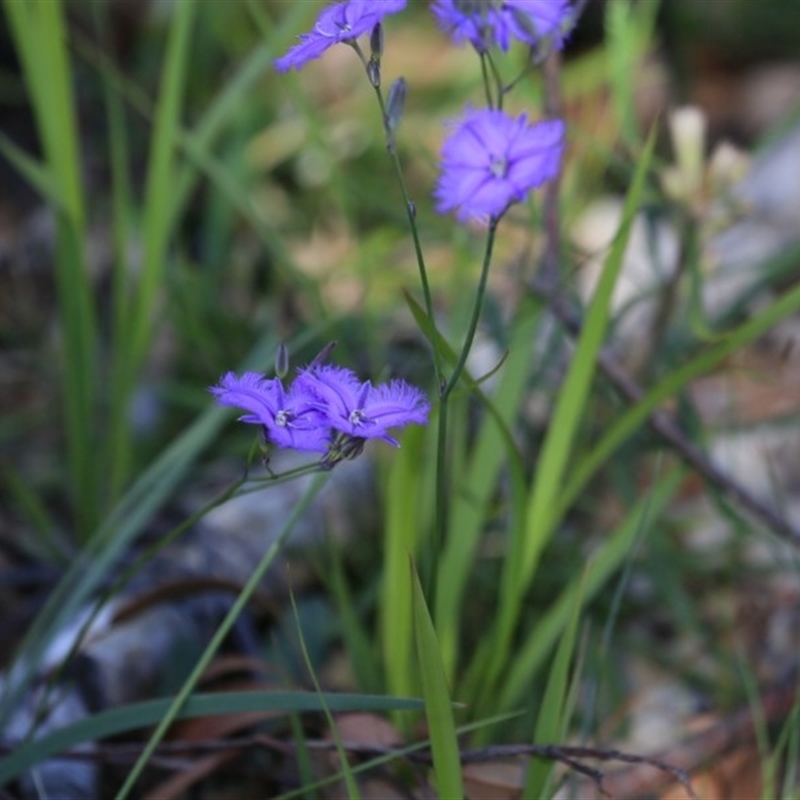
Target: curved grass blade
438,709
349,780
553,716
533,650
401,538
551,467
141,715
222,631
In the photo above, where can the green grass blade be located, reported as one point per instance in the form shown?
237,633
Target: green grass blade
39,35
161,172
134,325
552,463
636,416
357,638
438,709
401,527
142,715
222,631
574,394
552,720
347,773
47,544
494,445
400,752
36,174
118,455
629,30
534,648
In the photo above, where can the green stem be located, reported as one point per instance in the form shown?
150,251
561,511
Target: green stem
412,222
476,311
442,518
221,632
445,387
498,81
486,84
442,483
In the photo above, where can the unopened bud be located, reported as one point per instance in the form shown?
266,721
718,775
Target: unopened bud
727,166
688,128
282,361
376,42
395,103
323,354
374,72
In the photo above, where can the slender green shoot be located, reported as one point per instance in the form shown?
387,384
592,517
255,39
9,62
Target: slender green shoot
438,709
222,631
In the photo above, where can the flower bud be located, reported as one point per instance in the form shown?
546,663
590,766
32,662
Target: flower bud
688,129
727,166
282,361
323,354
374,72
395,103
376,42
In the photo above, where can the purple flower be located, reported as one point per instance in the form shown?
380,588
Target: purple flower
341,22
483,22
291,418
493,160
362,410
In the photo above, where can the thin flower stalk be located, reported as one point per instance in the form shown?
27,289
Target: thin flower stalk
412,224
442,477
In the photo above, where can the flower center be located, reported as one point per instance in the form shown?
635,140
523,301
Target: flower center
358,417
283,418
498,166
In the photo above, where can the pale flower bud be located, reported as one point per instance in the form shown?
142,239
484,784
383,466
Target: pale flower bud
688,128
395,102
727,166
282,361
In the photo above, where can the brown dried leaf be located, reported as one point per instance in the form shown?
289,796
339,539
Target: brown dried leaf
494,780
367,729
732,777
178,783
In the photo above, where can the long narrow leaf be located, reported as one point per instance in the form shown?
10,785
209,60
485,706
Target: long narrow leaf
438,710
134,331
222,631
574,393
349,779
493,446
35,173
158,200
39,34
142,715
572,398
552,720
534,648
400,542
